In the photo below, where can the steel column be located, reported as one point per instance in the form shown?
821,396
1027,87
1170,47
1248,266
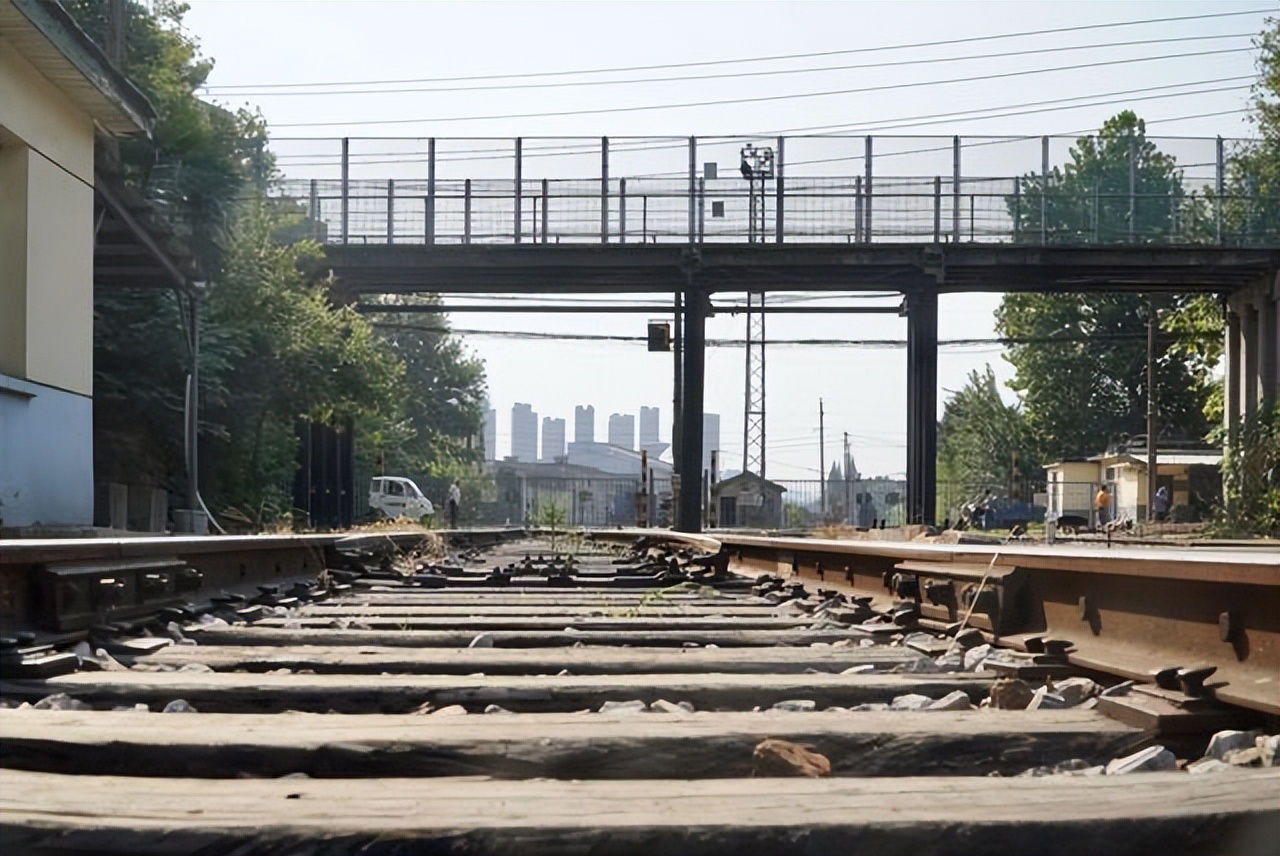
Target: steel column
922,406
689,514
430,236
779,220
519,225
346,178
857,209
604,190
1252,364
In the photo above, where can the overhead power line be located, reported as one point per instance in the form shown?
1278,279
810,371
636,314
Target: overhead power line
897,63
760,99
744,60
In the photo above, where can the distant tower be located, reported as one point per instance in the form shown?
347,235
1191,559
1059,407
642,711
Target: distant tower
622,430
524,433
552,439
490,433
584,424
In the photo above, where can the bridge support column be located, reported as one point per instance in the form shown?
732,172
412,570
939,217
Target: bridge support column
1253,353
922,406
689,509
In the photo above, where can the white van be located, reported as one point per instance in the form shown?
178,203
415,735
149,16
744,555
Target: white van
392,496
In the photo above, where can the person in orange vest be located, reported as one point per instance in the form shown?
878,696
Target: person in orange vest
1102,505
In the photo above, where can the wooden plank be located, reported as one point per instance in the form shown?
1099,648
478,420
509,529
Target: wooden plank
549,622
255,635
237,692
529,661
923,816
564,746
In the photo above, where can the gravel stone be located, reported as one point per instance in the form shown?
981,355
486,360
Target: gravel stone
1151,759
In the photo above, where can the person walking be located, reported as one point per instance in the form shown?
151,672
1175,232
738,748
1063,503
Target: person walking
1161,503
1102,506
455,500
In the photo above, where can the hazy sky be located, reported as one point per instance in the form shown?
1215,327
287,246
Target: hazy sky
302,41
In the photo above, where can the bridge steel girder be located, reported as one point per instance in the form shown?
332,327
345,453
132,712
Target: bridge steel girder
658,268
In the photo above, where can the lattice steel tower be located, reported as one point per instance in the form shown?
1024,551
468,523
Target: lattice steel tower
757,169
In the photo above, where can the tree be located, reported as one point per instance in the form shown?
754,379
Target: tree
984,443
276,352
1081,358
1251,206
1118,187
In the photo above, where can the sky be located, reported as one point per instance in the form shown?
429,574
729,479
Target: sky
270,54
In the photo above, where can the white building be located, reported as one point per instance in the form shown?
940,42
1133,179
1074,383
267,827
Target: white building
622,430
552,439
57,92
584,424
710,439
524,433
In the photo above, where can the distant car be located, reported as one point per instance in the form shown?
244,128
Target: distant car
393,496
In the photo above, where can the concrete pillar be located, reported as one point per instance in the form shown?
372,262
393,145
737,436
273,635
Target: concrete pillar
922,406
1251,374
1232,409
1269,347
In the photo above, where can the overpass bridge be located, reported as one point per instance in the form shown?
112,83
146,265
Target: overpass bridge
695,217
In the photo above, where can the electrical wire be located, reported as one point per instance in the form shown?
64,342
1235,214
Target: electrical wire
732,75
761,99
774,58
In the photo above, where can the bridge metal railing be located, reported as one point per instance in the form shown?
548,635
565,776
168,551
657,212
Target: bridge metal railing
691,190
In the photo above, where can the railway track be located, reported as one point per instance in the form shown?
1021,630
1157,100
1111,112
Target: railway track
624,699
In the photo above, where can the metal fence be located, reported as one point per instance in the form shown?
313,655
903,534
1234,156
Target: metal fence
819,190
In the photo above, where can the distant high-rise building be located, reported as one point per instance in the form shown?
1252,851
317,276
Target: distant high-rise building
622,430
584,424
552,438
490,433
524,433
711,440
648,427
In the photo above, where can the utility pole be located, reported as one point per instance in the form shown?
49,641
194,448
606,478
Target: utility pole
1152,427
848,478
822,460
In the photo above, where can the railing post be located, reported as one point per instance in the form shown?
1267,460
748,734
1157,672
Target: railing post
546,198
622,211
955,189
346,178
604,190
857,209
1220,188
466,211
313,209
1017,207
1044,190
937,209
778,218
867,194
693,188
1133,188
702,208
430,229
519,186
391,210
